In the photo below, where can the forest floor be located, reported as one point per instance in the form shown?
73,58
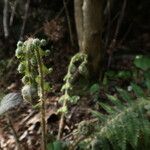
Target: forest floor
26,119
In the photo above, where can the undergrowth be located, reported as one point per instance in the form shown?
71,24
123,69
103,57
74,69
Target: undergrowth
124,120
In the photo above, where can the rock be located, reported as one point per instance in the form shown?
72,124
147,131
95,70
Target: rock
10,101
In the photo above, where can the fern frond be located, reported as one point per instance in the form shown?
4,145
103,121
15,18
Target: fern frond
127,127
107,108
124,95
138,90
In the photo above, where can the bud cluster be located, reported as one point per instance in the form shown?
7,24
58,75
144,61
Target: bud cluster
28,52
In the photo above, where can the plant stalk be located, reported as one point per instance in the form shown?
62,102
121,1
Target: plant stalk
42,98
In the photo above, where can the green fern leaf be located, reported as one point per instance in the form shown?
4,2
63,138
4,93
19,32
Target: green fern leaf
138,91
124,95
107,108
115,101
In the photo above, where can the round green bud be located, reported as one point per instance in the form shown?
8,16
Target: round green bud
33,61
50,70
25,80
47,52
29,93
83,70
21,68
43,42
73,68
19,52
36,42
19,44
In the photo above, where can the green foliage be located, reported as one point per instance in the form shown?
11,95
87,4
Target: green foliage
94,91
77,64
142,62
147,79
125,124
137,90
85,128
122,74
56,145
142,71
119,75
95,88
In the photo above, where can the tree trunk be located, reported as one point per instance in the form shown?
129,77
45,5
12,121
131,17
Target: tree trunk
88,17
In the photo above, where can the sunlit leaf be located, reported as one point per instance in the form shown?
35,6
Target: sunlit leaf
142,62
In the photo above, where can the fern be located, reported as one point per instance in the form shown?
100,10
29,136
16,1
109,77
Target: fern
125,124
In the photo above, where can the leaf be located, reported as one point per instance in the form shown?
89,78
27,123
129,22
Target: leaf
147,79
115,101
62,98
45,70
138,91
37,106
124,74
142,62
107,108
95,88
62,110
105,81
50,146
74,99
42,53
58,145
124,94
99,115
37,79
47,87
110,74
148,83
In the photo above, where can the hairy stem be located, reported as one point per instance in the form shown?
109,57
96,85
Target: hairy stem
42,98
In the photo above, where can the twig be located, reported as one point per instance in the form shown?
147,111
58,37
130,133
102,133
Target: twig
125,35
13,12
69,22
13,131
70,134
61,124
5,19
113,42
120,19
24,19
28,117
